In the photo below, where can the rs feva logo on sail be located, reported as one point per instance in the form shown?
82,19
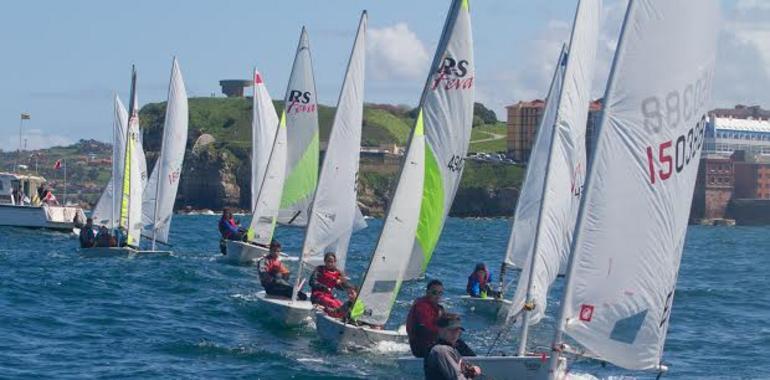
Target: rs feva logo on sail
299,102
451,75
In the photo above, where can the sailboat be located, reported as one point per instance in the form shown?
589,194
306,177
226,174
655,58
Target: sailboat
332,217
106,209
445,106
301,106
632,220
130,215
160,193
264,125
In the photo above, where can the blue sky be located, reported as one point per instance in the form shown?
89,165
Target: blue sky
62,60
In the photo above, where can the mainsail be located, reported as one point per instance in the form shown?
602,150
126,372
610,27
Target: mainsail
131,190
555,203
633,218
160,192
301,110
444,108
334,207
265,212
447,107
264,122
107,209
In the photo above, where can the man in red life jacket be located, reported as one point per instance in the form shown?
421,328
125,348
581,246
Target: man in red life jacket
274,276
324,279
421,322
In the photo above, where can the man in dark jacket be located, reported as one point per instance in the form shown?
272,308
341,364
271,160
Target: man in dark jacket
444,362
421,322
87,237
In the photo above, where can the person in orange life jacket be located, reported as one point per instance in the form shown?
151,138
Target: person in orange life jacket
421,322
444,360
478,283
324,279
274,276
229,227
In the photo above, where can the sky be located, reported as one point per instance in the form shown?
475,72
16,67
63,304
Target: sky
62,61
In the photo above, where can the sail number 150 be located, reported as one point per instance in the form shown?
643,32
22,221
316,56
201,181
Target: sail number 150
670,157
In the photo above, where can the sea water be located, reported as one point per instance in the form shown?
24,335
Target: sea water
191,316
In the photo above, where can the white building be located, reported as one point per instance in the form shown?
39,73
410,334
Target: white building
725,135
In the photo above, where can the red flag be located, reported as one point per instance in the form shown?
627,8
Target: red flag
57,165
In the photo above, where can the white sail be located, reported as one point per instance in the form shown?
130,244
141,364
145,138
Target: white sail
422,184
525,217
107,209
264,122
301,110
566,163
265,213
633,218
334,207
383,278
161,189
131,189
447,106
141,160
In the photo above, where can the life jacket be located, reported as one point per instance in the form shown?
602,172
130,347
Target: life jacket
269,270
227,227
326,278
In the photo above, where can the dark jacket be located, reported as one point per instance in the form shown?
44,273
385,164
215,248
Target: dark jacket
421,326
443,362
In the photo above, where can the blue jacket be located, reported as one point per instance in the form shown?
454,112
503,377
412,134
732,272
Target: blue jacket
475,287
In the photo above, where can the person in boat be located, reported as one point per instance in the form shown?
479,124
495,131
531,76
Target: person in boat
87,237
104,238
121,237
229,227
343,310
17,196
274,276
324,280
421,322
48,197
444,361
479,281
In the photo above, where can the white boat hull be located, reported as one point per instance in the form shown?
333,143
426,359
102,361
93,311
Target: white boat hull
242,253
118,251
49,217
287,312
494,367
346,336
489,306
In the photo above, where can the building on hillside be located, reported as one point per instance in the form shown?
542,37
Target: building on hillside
234,88
742,112
713,188
524,120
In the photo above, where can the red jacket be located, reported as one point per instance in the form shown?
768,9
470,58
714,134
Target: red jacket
324,280
421,326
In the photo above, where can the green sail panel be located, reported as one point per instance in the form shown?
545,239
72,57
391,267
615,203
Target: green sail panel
447,105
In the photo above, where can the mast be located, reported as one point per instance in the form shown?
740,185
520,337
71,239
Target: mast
557,345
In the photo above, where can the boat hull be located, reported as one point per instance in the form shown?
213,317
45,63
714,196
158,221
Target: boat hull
346,336
529,367
242,253
489,306
289,313
118,252
49,217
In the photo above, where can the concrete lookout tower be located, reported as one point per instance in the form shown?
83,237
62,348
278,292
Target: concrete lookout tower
233,88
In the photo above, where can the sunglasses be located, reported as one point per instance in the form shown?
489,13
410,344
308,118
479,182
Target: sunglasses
435,292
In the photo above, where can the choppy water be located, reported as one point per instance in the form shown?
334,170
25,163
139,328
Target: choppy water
190,316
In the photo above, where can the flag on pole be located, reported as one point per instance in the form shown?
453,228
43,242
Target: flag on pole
57,165
25,116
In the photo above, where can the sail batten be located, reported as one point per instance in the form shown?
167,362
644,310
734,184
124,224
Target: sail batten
633,220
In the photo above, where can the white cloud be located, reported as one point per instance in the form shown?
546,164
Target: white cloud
395,52
35,139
